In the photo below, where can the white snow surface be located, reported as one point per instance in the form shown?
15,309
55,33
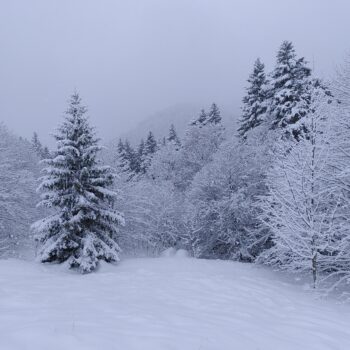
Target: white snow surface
163,303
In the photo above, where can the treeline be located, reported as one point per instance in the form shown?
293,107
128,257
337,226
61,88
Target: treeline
19,170
276,191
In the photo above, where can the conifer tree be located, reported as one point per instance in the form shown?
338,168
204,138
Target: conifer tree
120,146
214,116
200,120
46,152
141,148
37,146
128,159
120,157
150,149
140,157
172,137
289,95
151,144
123,162
41,151
254,103
129,156
84,226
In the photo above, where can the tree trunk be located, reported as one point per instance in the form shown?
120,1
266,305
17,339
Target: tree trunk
314,268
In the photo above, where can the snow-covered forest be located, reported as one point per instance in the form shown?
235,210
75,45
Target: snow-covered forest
231,234
275,191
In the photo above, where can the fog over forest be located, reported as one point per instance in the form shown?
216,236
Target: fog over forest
131,59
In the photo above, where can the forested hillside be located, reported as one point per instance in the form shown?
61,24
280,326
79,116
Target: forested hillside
273,191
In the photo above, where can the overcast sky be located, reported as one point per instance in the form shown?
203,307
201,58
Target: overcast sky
130,58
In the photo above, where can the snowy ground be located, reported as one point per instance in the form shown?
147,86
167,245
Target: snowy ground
161,304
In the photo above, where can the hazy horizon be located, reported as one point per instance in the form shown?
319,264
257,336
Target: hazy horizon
131,59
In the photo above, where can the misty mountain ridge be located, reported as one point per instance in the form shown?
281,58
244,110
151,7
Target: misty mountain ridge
159,122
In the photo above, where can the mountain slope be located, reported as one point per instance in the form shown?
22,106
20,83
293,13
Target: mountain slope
159,122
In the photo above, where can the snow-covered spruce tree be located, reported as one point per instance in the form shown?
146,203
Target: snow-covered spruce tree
140,157
150,149
173,138
39,149
214,116
255,101
128,160
204,118
150,144
122,160
301,208
83,228
120,147
36,144
289,96
200,120
162,141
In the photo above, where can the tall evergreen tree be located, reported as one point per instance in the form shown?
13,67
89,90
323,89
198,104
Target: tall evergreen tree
151,144
140,157
290,98
83,229
141,148
254,103
41,151
128,160
120,146
214,116
37,146
151,147
163,141
123,162
172,137
200,120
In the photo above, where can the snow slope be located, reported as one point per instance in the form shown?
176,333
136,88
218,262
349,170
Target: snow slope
160,304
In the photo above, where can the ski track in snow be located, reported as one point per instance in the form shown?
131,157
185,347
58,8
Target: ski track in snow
163,304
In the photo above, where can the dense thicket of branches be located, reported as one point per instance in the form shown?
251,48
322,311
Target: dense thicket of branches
19,170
